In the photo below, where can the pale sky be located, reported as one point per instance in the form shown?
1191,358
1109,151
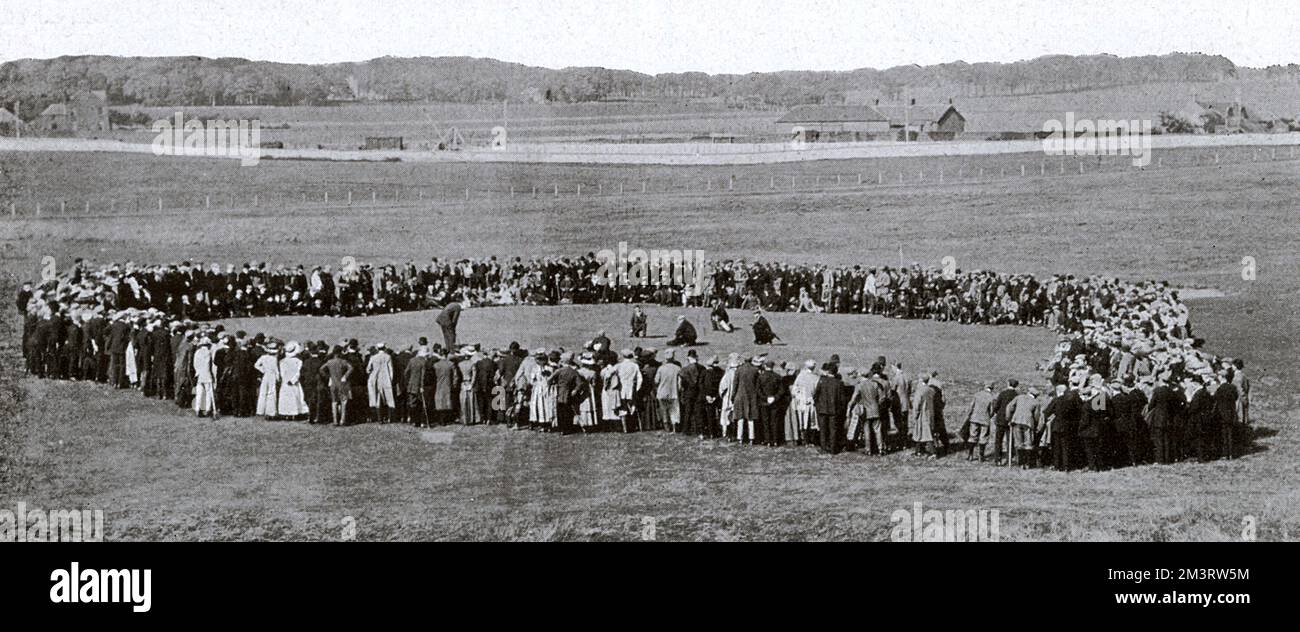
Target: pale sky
653,36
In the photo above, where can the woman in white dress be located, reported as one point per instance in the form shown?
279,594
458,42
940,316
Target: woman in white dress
611,395
268,392
541,402
204,379
805,413
589,412
132,367
292,402
726,392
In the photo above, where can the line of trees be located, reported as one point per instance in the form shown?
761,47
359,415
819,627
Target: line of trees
176,81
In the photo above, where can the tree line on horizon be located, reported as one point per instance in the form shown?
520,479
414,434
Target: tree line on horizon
197,81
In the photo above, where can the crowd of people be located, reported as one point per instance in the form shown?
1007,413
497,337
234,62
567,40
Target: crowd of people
1127,384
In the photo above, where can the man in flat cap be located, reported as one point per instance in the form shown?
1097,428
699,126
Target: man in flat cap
668,392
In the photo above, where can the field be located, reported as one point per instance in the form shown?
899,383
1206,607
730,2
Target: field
424,124
159,474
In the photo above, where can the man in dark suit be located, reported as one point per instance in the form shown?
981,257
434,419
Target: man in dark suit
54,343
691,394
92,348
638,322
1161,415
484,380
709,402
73,345
746,409
161,349
770,386
1225,413
313,358
1128,405
447,320
507,368
647,404
119,336
763,334
1064,411
446,379
685,334
828,400
418,413
1092,426
1201,424
1001,419
569,388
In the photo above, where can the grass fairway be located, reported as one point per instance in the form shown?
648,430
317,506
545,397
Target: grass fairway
158,474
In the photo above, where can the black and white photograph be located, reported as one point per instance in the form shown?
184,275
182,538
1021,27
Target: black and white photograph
649,271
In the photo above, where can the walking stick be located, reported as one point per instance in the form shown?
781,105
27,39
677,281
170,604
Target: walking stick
1011,443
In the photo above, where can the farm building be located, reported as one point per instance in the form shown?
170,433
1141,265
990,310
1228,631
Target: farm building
911,122
80,113
847,122
1233,117
1223,117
